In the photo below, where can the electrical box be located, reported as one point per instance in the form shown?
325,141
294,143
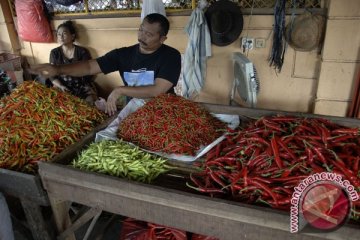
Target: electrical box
260,42
247,43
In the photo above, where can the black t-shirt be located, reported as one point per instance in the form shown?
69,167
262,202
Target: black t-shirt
165,62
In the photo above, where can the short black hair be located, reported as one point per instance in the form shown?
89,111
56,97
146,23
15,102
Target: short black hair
161,19
69,25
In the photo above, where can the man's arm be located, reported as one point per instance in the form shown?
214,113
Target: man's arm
161,86
78,69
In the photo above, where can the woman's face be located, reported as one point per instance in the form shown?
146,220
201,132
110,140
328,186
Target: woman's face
64,36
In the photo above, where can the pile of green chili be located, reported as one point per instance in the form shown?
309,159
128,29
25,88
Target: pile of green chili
120,159
37,123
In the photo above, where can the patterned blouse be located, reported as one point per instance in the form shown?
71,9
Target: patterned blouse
82,87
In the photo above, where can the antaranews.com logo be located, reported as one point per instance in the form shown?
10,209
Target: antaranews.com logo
322,201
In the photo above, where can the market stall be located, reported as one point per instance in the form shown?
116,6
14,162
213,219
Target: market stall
33,128
167,201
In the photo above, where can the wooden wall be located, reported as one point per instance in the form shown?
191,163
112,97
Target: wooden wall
314,82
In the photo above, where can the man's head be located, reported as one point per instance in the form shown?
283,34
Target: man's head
152,32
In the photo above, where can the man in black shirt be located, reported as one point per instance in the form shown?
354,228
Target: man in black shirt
148,68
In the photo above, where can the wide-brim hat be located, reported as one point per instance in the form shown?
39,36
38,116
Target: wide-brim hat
305,32
225,22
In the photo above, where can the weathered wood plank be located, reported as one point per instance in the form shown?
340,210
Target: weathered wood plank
171,207
257,113
60,208
191,212
40,229
91,213
23,185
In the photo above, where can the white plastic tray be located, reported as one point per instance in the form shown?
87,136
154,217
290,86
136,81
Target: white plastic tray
109,133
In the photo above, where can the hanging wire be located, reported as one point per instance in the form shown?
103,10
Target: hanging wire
247,29
279,45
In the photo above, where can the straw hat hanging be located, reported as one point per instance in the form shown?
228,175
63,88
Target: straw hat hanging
306,32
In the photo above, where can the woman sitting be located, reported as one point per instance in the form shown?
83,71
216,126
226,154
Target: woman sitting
68,52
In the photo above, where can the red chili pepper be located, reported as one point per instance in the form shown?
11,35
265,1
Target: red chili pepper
272,125
263,187
325,134
342,138
257,160
269,170
310,155
285,119
251,147
303,128
205,190
236,151
218,149
217,179
285,190
283,145
320,155
353,131
291,178
245,176
257,139
281,201
356,165
222,159
275,150
264,180
210,155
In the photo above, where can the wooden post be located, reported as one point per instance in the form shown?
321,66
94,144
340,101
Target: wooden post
60,210
39,228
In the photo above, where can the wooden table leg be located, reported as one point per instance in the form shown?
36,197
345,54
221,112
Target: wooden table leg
39,228
62,219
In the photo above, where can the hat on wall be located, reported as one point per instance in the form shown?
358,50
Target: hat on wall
225,22
306,32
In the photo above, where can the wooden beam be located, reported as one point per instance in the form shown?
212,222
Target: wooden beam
179,209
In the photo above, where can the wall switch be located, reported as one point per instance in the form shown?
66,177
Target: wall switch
247,43
260,43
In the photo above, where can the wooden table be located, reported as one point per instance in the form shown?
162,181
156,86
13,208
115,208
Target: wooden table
29,190
166,205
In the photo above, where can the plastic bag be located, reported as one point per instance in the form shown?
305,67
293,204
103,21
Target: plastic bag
152,6
33,24
101,104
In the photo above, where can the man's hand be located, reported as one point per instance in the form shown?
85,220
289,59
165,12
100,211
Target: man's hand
111,101
58,84
45,70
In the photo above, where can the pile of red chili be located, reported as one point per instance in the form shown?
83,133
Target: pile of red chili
263,162
139,230
171,124
36,123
